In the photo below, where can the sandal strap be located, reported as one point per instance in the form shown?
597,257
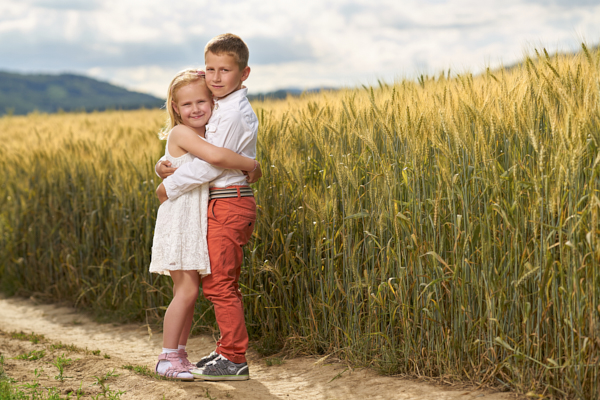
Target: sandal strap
176,367
183,356
176,363
173,372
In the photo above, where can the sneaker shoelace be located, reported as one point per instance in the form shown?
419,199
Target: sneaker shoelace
214,362
207,359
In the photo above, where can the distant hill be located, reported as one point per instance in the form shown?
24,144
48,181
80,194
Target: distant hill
24,93
284,93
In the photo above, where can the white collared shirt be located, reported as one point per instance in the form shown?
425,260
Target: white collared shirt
233,125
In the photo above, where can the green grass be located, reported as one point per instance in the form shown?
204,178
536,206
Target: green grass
32,355
268,345
143,370
269,362
11,390
60,363
106,391
32,337
3,376
70,348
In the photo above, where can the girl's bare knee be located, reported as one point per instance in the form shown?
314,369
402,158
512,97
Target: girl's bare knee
188,296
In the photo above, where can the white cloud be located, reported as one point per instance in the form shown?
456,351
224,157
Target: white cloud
65,4
151,79
140,44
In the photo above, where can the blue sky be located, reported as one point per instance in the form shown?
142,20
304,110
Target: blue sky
304,44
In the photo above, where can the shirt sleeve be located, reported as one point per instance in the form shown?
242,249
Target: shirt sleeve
189,176
231,131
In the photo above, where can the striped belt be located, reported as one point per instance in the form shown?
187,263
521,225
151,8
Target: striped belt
244,191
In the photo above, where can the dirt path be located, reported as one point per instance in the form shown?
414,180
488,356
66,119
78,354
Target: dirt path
301,378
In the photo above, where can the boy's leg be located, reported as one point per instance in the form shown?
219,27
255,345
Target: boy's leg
230,225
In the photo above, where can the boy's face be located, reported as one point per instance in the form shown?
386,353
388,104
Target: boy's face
223,74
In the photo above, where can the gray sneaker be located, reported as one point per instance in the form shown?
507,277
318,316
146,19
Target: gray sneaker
205,360
221,369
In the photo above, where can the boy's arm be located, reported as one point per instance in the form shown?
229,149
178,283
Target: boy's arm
189,176
251,177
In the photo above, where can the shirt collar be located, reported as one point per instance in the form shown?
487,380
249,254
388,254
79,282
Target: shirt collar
233,96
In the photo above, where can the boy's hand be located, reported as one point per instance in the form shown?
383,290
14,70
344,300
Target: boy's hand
255,175
161,193
163,169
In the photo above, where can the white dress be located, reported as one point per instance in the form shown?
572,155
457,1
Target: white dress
180,231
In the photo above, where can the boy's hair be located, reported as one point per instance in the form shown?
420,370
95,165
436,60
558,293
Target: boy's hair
230,44
183,78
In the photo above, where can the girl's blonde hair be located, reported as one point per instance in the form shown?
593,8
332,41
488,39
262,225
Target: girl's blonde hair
183,78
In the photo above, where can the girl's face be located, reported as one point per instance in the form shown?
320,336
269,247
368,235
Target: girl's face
194,105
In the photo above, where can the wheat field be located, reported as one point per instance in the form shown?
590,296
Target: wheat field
446,227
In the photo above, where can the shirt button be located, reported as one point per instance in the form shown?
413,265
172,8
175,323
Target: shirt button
217,106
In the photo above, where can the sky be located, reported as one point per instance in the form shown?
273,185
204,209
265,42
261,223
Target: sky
293,44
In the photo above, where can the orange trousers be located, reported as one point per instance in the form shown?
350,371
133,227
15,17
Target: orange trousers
230,225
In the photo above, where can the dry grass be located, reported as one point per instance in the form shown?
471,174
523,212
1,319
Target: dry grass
445,227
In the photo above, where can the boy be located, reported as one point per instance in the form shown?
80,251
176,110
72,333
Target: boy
231,209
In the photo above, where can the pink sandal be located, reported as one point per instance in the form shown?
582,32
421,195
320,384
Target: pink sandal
183,356
176,369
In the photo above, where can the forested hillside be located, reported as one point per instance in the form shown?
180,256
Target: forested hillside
22,94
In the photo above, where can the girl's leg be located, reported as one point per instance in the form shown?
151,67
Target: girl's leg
185,289
185,293
183,338
187,327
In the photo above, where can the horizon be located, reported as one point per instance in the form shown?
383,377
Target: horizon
66,73
297,90
141,45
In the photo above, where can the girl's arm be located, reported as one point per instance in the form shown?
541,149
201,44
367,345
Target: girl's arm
189,141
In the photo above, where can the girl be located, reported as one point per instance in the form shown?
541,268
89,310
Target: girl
179,248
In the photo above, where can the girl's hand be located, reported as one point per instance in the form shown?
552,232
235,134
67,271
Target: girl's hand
163,169
254,176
